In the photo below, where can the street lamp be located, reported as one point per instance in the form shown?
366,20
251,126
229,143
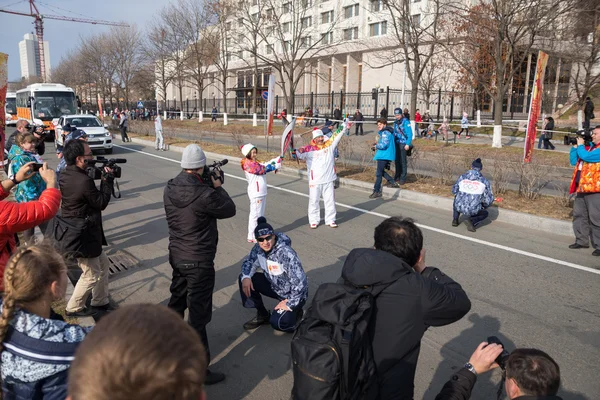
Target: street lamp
376,97
214,99
187,105
249,101
342,97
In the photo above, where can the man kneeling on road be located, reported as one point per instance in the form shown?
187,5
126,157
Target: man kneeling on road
282,278
473,195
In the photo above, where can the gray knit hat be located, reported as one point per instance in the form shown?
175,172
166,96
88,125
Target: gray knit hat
193,157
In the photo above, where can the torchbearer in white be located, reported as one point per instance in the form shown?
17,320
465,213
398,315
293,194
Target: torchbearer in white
257,184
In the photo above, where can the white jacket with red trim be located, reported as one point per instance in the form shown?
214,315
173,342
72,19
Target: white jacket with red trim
320,161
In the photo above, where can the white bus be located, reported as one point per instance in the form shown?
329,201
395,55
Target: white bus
10,109
40,103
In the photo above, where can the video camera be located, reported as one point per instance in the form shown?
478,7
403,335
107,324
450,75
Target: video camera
33,128
215,171
585,134
96,173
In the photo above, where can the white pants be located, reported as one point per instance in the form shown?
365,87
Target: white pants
159,142
257,209
314,209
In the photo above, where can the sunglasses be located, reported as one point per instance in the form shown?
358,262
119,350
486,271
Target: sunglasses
262,239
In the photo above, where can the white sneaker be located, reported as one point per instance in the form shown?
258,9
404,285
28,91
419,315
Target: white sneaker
333,225
313,226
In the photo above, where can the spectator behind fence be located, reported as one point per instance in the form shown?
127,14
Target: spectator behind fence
530,374
37,345
413,299
139,352
17,217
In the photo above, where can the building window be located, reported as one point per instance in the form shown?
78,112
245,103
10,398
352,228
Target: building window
228,26
378,29
416,20
270,12
228,56
269,49
306,22
240,54
351,33
351,11
286,7
306,3
287,45
327,17
305,42
344,77
327,38
254,2
286,27
376,5
266,75
254,17
241,22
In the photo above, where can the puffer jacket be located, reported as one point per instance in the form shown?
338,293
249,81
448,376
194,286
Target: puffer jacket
53,346
192,209
473,192
32,188
386,150
17,217
282,268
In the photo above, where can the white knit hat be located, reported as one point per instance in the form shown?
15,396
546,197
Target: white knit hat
247,148
193,157
317,133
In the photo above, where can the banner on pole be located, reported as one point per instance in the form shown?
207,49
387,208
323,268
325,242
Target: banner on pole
100,108
3,89
535,106
270,104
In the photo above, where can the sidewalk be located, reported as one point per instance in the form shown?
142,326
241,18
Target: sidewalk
444,203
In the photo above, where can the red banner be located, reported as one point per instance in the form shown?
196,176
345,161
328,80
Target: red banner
3,89
100,108
536,106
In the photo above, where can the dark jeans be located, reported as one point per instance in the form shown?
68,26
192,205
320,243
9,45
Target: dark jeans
548,144
475,219
192,288
124,136
284,321
381,174
359,126
401,164
541,140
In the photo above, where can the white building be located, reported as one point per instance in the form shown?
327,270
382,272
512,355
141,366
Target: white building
28,54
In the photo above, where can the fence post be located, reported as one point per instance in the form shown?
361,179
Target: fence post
236,105
358,105
439,102
225,117
376,101
451,106
387,99
332,101
276,104
312,104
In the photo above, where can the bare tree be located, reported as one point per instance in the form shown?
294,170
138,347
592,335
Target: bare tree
156,51
216,40
174,39
507,30
127,54
98,65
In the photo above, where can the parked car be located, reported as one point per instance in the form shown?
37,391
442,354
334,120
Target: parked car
99,138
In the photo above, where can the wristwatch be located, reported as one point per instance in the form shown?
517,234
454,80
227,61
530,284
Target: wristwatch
470,367
14,179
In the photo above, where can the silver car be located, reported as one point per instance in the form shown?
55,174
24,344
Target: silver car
99,138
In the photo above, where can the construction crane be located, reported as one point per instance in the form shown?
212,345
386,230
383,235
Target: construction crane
39,29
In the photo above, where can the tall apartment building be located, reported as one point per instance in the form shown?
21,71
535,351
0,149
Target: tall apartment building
28,54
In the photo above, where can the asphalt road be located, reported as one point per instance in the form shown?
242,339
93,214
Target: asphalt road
526,287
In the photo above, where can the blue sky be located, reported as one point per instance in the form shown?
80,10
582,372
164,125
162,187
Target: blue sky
65,35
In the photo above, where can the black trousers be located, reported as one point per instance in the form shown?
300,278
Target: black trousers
124,136
192,289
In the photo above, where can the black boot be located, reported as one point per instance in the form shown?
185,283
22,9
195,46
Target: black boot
257,321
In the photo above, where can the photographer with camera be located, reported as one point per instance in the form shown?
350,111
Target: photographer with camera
194,201
585,156
37,131
528,374
82,208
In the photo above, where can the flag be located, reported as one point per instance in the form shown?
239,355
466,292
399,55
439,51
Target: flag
100,108
287,138
3,89
536,106
270,104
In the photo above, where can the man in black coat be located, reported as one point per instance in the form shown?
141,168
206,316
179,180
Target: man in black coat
82,205
358,117
531,374
588,113
337,116
414,298
193,205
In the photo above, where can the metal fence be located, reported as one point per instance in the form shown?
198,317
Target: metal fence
439,103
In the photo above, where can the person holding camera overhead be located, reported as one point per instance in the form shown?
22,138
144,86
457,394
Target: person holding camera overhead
81,227
194,200
585,156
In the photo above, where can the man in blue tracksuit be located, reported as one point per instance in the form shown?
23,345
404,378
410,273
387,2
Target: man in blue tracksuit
403,134
385,153
473,195
281,277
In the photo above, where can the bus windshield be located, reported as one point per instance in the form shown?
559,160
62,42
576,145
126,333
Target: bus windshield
49,105
11,106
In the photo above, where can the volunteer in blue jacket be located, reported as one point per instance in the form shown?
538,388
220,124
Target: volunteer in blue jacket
385,153
403,134
473,195
282,278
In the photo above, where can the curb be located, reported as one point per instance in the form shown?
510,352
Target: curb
545,224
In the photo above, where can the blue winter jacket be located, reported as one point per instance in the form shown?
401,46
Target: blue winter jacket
403,131
473,192
36,357
282,268
386,149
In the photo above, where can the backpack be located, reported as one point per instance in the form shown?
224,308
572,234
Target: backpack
331,349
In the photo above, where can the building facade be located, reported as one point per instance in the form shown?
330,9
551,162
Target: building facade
29,59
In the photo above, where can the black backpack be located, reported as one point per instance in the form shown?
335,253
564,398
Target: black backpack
331,349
